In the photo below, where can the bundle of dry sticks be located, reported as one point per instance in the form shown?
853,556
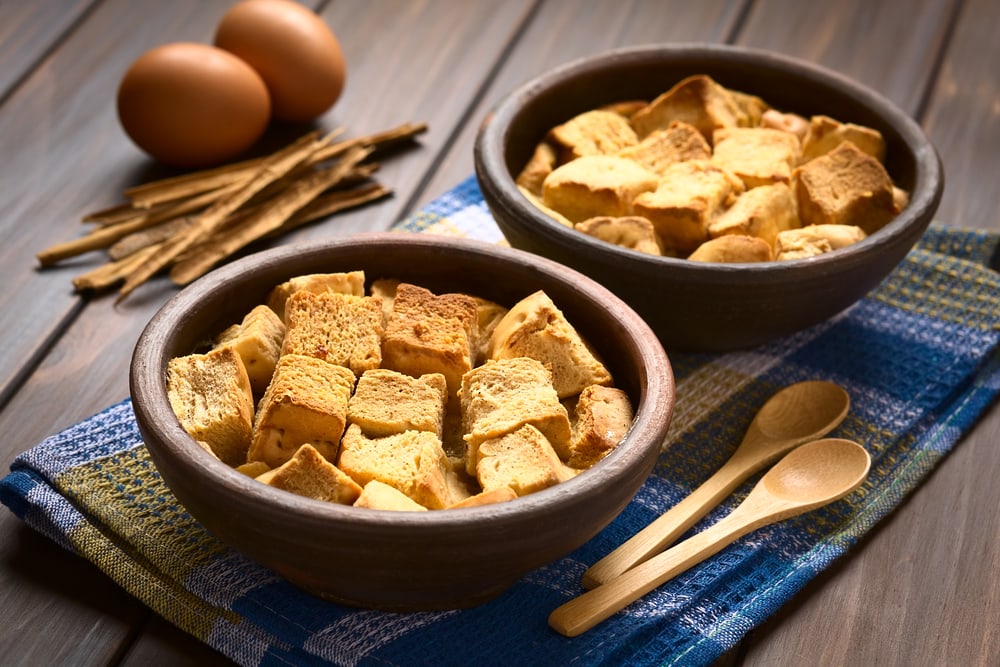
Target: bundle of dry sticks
190,223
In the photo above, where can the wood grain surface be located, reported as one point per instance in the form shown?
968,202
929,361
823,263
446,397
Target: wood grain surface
922,588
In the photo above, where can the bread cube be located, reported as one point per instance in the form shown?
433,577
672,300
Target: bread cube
603,415
211,396
429,333
632,232
661,148
815,240
306,402
503,395
539,166
522,460
536,328
386,402
412,462
697,100
758,156
380,496
257,340
596,132
498,495
762,212
352,283
825,133
488,315
596,185
691,194
733,248
540,205
789,122
308,473
338,328
844,187
752,108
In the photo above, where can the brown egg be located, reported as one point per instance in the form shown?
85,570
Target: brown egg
192,105
292,49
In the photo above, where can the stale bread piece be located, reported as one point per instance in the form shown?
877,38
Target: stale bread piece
343,283
535,327
632,232
596,185
385,289
825,134
603,416
253,468
430,333
338,328
306,402
733,249
502,395
412,462
309,474
763,212
758,156
789,122
498,495
380,496
539,166
211,396
691,194
540,205
522,460
595,132
697,100
752,108
844,187
386,402
815,240
661,148
488,315
257,339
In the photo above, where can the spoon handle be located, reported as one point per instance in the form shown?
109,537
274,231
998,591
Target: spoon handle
667,527
587,610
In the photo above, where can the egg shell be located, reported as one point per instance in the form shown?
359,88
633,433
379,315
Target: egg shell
192,105
292,49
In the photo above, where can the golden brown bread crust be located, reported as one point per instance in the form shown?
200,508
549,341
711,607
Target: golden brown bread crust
257,340
352,283
522,460
380,496
632,231
679,142
733,248
697,100
762,212
758,156
603,416
338,328
309,474
386,402
597,132
596,185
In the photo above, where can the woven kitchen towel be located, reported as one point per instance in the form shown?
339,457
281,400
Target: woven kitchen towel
919,357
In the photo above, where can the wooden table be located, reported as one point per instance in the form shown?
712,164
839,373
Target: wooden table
922,588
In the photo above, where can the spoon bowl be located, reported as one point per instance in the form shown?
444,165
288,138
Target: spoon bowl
809,477
798,413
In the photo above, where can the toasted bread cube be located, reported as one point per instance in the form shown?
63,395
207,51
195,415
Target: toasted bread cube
844,187
308,473
539,166
211,396
535,327
733,249
596,132
352,283
387,402
412,462
502,395
430,333
498,495
691,194
661,148
253,468
815,240
633,232
540,205
257,339
825,134
385,289
789,122
697,100
488,315
380,496
522,460
900,199
752,108
338,328
603,415
596,185
758,156
306,402
762,212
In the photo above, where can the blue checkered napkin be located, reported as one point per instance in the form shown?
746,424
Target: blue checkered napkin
919,357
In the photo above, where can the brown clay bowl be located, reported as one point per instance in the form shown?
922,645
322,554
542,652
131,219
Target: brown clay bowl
402,560
700,306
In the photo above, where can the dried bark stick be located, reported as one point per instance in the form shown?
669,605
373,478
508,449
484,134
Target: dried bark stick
112,273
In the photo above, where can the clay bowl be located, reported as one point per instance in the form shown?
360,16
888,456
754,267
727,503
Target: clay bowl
701,306
402,560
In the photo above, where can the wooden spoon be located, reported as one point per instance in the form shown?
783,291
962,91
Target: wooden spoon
809,477
798,413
